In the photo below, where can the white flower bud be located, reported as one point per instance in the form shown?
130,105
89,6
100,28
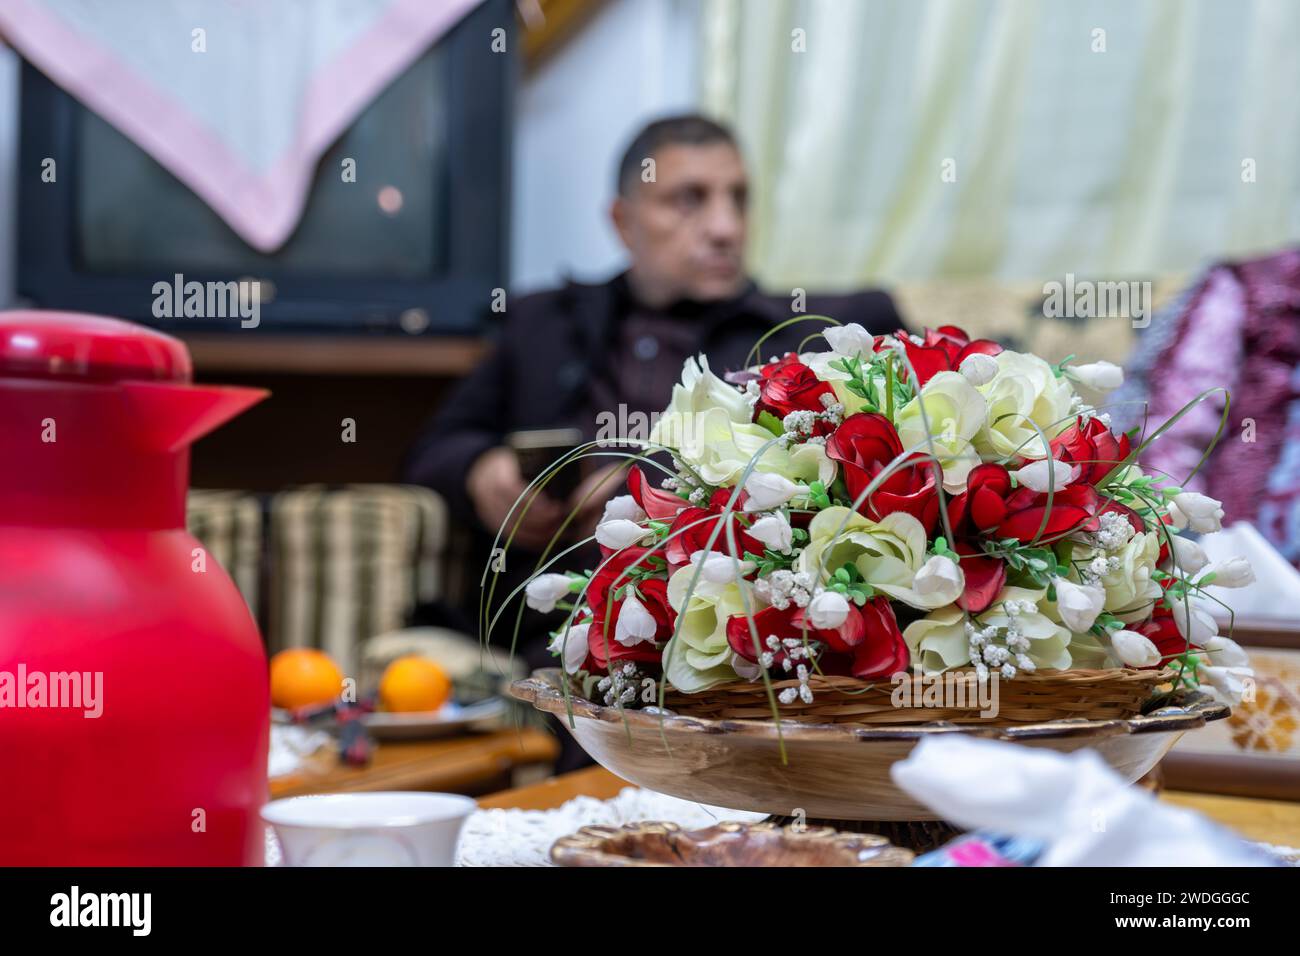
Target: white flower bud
1078,604
828,610
1200,513
940,581
635,623
1199,627
573,645
774,531
1226,652
544,590
1103,376
978,368
1189,557
851,340
1034,475
744,669
620,533
625,507
1226,683
1134,649
1234,572
720,568
768,490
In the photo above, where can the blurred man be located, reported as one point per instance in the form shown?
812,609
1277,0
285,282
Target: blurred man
569,356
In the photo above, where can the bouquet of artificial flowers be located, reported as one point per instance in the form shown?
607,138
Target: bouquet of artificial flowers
897,503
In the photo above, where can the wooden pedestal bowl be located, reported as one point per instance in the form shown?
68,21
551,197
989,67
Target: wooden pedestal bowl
831,772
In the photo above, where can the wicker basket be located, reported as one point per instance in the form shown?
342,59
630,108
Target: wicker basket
1026,699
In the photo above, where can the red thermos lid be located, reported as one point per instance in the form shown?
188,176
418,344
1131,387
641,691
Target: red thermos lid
73,346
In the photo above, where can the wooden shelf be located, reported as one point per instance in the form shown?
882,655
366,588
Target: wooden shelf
335,355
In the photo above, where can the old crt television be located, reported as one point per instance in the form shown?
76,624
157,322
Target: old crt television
415,246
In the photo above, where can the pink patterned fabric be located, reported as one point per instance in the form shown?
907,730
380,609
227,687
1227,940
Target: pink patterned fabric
1240,329
263,205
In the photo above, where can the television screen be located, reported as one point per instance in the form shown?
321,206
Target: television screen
414,243
132,214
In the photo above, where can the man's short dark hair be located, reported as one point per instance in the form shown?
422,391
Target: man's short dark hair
688,129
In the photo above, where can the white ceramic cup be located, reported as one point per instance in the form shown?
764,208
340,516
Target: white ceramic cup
391,828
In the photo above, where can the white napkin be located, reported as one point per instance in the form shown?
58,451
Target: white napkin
1074,803
1277,582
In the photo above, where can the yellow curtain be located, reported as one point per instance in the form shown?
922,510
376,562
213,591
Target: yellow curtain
913,139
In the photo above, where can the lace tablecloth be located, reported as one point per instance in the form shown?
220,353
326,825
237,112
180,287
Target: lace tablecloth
524,837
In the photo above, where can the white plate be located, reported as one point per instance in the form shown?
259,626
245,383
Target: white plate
449,719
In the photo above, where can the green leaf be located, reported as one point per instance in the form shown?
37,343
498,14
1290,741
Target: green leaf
771,423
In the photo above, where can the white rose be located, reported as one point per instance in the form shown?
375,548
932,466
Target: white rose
1102,376
828,610
851,340
774,531
572,644
978,368
545,590
1189,557
1200,513
1234,572
1035,475
767,490
955,410
635,623
1198,627
620,533
1134,649
940,581
1024,393
1078,604
624,507
719,568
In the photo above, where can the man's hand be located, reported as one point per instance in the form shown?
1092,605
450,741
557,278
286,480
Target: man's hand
494,484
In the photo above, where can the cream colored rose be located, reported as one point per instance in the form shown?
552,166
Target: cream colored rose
955,411
939,641
699,656
1130,590
888,553
1024,390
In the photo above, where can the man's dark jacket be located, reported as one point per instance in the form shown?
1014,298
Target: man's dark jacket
552,344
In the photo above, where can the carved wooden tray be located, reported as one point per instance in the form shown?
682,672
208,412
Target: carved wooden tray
726,844
831,771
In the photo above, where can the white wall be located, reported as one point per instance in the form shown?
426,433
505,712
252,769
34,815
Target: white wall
634,61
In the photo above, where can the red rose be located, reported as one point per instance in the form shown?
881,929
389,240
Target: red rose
695,528
983,505
605,609
884,652
985,575
655,502
1092,446
943,350
790,386
864,445
868,645
1074,508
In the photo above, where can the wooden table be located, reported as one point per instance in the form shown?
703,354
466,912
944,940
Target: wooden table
1272,821
475,764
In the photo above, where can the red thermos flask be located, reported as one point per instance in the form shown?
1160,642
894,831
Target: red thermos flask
133,688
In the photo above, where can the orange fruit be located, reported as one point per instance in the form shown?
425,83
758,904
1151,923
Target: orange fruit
302,676
412,684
